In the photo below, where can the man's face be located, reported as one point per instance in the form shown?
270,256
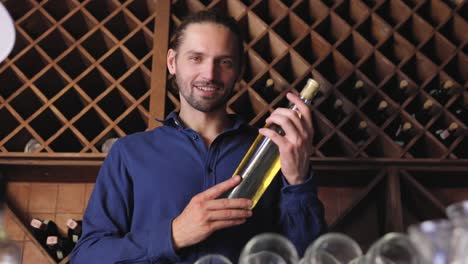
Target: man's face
206,66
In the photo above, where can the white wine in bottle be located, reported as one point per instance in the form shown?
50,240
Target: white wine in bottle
261,163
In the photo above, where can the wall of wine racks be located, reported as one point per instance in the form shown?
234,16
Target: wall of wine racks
393,100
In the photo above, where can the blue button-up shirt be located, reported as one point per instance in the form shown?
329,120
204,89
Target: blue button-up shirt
148,178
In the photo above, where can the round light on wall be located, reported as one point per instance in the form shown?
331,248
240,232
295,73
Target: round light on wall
7,31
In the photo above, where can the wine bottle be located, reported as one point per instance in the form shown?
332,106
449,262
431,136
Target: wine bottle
74,230
338,112
42,229
268,92
447,136
261,163
461,112
400,93
360,136
358,92
9,251
32,146
443,92
402,135
423,115
381,114
58,247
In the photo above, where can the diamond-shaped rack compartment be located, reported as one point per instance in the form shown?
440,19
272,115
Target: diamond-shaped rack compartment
102,60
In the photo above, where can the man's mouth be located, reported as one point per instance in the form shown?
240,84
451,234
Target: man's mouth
206,88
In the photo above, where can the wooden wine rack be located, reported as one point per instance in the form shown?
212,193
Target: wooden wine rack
84,71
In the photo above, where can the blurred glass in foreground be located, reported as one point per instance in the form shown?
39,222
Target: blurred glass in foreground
213,259
269,248
332,248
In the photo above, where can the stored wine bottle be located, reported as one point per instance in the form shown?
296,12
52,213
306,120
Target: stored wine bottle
443,92
261,163
58,247
381,114
74,230
423,115
360,136
338,112
402,135
461,112
447,136
42,229
400,93
9,251
268,90
32,146
358,92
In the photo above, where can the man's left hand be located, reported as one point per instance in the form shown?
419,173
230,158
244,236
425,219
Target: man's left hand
295,147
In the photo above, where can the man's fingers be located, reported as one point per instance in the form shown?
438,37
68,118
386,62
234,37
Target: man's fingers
216,225
303,108
219,188
237,203
224,215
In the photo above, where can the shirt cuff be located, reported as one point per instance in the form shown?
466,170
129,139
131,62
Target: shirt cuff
161,246
307,186
299,195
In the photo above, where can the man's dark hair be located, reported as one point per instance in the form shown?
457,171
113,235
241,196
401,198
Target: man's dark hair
206,16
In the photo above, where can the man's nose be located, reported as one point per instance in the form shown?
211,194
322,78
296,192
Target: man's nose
209,70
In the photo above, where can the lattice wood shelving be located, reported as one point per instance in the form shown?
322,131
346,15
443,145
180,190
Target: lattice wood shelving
79,74
98,72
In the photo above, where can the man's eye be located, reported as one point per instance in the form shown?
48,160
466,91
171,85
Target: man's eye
195,58
226,62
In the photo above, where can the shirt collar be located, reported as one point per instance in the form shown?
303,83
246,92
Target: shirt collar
173,120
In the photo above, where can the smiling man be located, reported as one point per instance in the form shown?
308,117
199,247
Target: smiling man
156,198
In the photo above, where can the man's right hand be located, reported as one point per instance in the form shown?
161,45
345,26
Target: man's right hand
205,214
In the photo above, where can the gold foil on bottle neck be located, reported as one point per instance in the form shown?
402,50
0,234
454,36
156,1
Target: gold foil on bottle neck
310,89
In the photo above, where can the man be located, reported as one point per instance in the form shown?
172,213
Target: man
156,196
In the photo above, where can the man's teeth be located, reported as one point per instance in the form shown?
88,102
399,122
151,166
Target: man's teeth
206,89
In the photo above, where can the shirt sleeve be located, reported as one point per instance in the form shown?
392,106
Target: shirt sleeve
301,213
107,236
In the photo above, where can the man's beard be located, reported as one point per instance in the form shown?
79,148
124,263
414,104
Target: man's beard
206,105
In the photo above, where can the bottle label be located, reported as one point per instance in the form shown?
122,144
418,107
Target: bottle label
71,223
59,254
36,223
52,240
444,134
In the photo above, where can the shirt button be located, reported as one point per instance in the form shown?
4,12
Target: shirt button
194,137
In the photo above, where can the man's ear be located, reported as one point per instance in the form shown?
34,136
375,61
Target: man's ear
171,61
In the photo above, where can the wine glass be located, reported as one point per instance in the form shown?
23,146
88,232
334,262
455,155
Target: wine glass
332,248
213,259
458,214
434,240
269,248
393,248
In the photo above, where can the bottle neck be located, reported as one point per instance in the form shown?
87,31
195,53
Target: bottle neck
305,100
